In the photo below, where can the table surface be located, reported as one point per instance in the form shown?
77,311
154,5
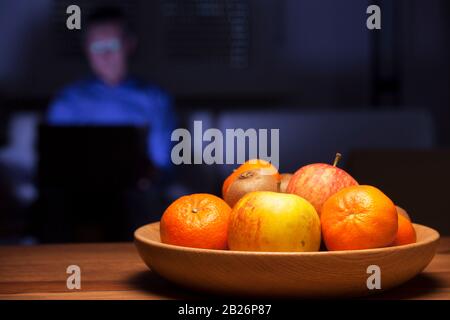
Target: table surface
115,271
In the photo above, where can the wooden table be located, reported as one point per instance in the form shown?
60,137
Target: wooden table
115,271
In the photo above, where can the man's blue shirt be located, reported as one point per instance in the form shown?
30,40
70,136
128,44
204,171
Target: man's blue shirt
91,102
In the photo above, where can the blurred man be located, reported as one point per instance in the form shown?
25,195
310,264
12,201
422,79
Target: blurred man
111,96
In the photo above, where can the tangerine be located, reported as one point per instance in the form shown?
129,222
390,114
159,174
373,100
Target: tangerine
358,217
197,220
406,233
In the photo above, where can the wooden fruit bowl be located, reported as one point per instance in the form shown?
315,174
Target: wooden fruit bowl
273,274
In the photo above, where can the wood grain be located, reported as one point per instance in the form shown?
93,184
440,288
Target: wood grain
115,271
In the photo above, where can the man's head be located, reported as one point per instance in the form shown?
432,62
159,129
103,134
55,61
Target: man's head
108,43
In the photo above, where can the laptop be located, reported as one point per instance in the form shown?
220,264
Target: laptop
92,157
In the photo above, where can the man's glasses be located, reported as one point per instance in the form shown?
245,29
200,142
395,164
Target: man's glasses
105,46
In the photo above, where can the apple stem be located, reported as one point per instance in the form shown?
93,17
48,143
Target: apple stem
194,210
336,160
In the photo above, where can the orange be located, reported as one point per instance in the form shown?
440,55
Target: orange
403,212
198,220
358,217
406,233
249,165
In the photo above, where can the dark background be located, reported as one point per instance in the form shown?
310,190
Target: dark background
308,67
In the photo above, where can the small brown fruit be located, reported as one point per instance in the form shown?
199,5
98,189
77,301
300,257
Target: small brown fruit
248,181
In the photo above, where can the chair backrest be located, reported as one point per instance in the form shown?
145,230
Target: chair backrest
308,137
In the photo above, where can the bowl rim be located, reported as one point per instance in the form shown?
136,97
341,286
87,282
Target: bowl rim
138,237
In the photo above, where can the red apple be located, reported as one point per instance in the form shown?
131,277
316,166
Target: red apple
319,181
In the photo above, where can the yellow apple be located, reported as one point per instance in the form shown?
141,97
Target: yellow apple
271,221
